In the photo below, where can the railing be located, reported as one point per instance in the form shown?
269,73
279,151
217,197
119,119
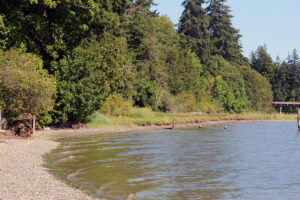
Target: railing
282,104
277,103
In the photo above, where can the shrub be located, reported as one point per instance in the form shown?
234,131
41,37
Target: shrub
116,106
44,118
186,102
165,102
146,112
209,106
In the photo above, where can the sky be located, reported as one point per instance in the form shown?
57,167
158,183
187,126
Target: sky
275,23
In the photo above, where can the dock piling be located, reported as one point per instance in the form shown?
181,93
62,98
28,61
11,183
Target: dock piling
298,119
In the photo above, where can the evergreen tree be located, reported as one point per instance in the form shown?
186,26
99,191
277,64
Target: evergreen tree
262,62
294,65
281,85
224,37
194,25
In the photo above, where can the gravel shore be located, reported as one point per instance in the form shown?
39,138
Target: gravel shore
22,176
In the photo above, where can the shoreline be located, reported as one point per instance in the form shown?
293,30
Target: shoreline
24,178
68,132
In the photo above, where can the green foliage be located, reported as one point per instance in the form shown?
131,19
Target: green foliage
194,24
225,95
87,75
186,102
165,101
224,37
105,54
26,87
51,28
209,105
262,62
116,106
44,118
258,89
145,92
229,85
98,119
136,112
283,76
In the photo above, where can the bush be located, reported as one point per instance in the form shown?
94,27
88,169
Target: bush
44,118
186,102
116,106
136,112
209,106
165,102
259,94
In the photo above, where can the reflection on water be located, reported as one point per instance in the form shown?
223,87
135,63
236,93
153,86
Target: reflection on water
246,161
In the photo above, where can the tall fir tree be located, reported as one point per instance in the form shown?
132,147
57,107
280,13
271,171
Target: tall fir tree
262,62
224,37
194,25
293,62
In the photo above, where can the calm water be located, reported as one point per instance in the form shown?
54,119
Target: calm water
246,161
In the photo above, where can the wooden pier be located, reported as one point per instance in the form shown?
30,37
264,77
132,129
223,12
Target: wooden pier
284,104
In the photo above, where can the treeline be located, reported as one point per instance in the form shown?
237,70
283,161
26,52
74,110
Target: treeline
284,76
99,55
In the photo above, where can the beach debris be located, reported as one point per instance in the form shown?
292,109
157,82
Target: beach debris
21,128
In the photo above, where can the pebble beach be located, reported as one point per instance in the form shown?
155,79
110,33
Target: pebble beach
22,176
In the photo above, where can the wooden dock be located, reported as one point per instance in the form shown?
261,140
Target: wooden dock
277,103
283,104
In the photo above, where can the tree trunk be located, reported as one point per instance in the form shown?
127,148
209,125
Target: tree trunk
33,125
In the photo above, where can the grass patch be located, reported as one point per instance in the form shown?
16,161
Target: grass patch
145,116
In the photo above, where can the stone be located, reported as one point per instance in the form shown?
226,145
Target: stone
131,197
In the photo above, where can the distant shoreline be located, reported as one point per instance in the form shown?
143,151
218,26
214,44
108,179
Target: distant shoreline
65,133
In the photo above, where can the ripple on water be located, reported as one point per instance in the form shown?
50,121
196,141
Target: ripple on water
246,161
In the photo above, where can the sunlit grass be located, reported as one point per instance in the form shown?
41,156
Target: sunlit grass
145,116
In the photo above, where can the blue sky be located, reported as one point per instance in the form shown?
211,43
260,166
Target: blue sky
275,23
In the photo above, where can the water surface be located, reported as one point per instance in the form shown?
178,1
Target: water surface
246,161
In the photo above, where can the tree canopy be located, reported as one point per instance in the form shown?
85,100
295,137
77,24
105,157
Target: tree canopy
99,53
25,86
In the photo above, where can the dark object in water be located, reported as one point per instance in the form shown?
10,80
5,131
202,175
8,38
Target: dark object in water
298,120
172,127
